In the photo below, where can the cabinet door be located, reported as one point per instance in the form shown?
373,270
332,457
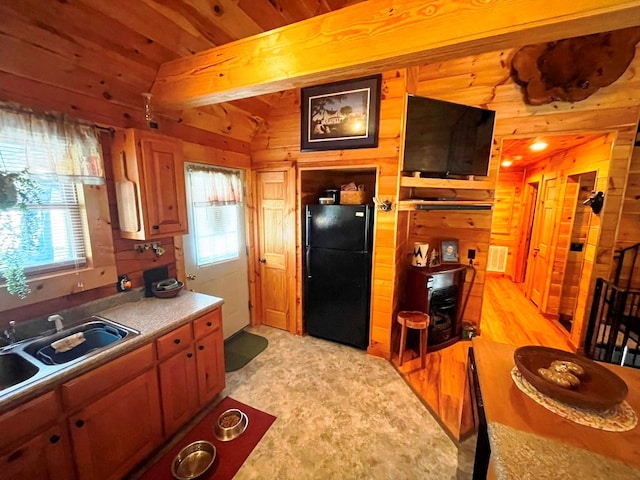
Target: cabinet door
20,423
111,435
210,361
46,456
163,186
178,389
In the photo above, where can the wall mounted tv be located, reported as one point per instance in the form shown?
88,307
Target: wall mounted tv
444,138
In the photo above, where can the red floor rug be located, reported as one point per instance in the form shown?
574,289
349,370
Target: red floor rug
229,455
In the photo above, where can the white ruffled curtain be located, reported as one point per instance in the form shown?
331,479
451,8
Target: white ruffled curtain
214,186
46,144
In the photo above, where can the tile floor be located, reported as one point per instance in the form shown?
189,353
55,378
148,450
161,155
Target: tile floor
341,414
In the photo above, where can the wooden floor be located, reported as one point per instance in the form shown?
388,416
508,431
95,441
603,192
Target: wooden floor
507,317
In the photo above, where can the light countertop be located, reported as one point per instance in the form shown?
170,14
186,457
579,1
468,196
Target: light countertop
152,317
529,441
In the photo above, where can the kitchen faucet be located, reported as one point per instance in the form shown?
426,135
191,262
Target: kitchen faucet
10,333
57,319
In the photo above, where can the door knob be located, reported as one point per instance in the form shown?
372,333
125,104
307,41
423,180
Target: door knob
262,260
190,276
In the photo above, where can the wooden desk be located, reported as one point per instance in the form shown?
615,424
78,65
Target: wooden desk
512,413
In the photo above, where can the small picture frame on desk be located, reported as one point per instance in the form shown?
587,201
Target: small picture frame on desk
449,251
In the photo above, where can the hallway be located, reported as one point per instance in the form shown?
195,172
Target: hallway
507,317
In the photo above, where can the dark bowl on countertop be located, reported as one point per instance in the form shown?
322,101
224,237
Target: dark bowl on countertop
599,388
167,292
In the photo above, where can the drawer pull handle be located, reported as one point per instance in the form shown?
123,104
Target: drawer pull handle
209,323
189,355
177,341
54,438
156,227
200,347
80,423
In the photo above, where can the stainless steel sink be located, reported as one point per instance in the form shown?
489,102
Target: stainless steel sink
33,359
97,334
15,369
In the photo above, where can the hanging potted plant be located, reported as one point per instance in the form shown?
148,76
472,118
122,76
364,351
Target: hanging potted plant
17,239
8,191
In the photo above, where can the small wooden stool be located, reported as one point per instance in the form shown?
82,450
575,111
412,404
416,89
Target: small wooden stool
417,321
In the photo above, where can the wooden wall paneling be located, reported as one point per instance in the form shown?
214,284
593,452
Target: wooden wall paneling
150,19
606,111
278,142
579,230
252,249
86,37
194,152
507,215
613,109
402,260
129,260
566,205
38,25
224,119
45,97
244,69
472,230
254,272
629,228
313,182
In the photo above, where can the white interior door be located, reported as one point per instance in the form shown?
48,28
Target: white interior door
215,253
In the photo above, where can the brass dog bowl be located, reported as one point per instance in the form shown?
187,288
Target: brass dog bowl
193,460
230,424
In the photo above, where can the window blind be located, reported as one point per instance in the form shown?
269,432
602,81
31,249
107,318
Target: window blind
54,238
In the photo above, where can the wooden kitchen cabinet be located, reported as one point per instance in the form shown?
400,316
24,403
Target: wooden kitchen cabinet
178,378
210,363
191,374
34,443
101,424
114,415
148,171
111,435
44,456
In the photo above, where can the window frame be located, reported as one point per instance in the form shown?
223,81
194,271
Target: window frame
100,269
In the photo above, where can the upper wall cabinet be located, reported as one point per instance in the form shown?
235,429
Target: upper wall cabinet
148,170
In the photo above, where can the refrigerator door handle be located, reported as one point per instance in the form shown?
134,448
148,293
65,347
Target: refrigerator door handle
307,260
307,226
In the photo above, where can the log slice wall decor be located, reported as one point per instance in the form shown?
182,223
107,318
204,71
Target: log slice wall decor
573,69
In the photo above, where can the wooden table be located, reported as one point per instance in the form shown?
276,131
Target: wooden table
507,409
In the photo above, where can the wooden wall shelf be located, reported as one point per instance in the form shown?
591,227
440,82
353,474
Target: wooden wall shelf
447,183
415,204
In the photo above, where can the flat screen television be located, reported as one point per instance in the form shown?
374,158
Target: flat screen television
445,138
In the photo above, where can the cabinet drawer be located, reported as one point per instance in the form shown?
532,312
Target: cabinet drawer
79,391
28,418
174,341
209,322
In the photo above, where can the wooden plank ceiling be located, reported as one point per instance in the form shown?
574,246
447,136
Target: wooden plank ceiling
93,58
105,54
520,153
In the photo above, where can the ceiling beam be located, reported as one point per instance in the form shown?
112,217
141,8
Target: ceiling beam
376,36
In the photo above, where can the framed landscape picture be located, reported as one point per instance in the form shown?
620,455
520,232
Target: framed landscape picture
341,115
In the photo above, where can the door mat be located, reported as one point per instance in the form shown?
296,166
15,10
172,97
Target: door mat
229,455
241,349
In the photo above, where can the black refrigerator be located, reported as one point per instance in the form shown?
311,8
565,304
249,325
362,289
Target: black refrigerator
337,272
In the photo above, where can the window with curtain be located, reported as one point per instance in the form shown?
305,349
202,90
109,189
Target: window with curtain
216,196
46,230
